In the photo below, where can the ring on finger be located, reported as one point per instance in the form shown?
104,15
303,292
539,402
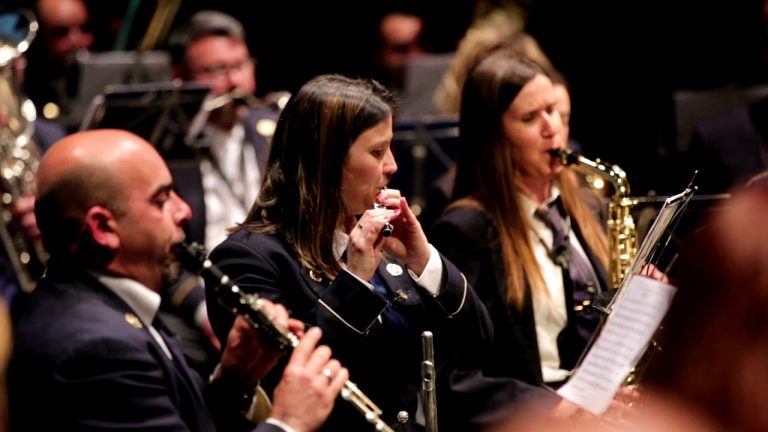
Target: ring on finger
327,373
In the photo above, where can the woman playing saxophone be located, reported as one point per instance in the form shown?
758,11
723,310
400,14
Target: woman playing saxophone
522,226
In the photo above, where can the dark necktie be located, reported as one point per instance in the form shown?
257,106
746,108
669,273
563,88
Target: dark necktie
562,253
580,282
392,317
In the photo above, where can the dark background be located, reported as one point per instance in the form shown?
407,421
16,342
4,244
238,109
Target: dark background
623,60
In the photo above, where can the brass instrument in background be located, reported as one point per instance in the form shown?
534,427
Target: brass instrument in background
158,27
276,100
264,127
622,234
19,156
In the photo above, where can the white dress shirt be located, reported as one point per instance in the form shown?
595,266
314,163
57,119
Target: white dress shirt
549,308
143,301
231,182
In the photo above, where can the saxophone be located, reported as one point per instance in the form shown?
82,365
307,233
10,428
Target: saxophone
622,234
19,156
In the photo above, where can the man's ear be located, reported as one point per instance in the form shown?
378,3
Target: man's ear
100,223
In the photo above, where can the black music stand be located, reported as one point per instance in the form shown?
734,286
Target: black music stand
94,71
691,220
162,113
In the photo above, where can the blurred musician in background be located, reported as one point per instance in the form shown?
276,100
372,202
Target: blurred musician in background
220,172
50,78
234,144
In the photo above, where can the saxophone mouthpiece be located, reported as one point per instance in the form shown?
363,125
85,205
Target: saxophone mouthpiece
567,156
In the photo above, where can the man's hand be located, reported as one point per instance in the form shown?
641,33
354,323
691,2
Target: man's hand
250,355
311,381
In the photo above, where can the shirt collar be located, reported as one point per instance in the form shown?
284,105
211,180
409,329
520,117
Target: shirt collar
220,137
530,206
142,300
340,242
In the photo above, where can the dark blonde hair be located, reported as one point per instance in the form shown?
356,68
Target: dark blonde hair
486,172
301,194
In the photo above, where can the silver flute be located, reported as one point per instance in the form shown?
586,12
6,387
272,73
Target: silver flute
387,230
194,258
428,397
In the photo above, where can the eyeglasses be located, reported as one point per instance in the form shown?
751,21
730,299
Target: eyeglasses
222,70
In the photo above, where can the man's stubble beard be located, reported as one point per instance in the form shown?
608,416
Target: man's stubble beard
171,270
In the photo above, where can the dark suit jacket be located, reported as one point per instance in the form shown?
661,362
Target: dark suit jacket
382,360
469,238
731,148
82,361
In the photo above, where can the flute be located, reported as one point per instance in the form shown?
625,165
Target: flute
387,230
193,258
428,396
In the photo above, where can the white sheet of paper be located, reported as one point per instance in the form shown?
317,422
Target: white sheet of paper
622,341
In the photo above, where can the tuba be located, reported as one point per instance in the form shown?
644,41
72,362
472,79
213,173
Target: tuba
19,156
622,234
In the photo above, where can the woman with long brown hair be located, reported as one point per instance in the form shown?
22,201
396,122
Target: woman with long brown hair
328,240
522,228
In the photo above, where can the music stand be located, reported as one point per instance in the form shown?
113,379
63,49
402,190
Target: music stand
161,113
423,74
424,149
94,71
696,213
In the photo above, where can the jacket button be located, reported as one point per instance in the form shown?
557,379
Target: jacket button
402,417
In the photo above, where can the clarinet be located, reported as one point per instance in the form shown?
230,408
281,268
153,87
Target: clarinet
194,258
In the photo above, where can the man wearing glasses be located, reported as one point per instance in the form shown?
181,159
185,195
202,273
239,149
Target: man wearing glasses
219,174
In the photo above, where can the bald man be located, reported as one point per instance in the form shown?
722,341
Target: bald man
91,353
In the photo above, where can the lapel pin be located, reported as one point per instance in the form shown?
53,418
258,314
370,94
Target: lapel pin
315,276
133,320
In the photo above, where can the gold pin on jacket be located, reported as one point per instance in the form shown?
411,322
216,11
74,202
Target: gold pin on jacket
133,320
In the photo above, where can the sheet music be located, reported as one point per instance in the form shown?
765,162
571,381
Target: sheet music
622,341
669,213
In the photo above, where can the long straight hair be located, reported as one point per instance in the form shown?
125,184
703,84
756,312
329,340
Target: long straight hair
300,197
487,171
